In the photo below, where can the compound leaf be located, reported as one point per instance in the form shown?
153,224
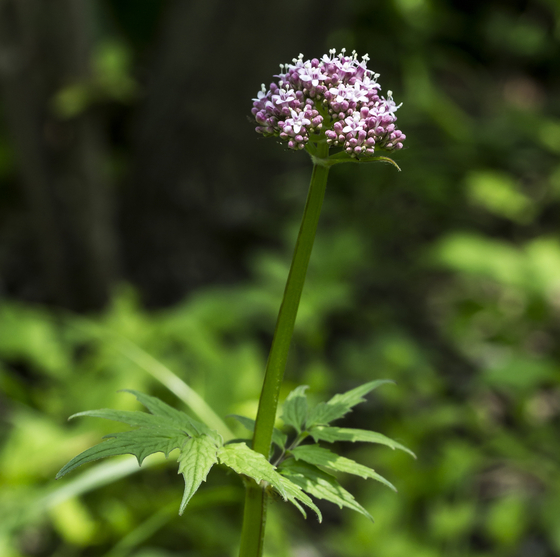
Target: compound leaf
158,408
320,484
134,419
294,493
332,434
339,405
319,456
140,443
197,457
243,460
163,430
294,411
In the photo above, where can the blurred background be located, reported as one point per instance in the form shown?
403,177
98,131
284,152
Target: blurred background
145,237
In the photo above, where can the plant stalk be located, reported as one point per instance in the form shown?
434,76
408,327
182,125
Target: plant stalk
254,520
254,517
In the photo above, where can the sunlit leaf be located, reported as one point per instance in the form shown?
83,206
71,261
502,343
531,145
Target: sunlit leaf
134,419
294,493
319,456
164,430
294,411
139,442
159,408
197,457
332,434
339,405
244,460
320,484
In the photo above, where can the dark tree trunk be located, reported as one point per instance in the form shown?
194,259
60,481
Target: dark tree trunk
197,188
43,47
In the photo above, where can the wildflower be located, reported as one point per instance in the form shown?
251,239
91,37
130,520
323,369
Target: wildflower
335,99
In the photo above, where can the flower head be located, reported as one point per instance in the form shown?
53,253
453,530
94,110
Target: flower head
335,98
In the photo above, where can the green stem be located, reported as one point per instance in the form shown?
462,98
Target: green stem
254,518
278,356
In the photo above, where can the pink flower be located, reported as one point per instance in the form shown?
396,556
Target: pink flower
335,97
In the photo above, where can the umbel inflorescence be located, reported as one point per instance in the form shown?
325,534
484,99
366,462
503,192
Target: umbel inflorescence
335,99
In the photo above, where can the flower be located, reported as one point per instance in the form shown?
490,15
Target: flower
335,99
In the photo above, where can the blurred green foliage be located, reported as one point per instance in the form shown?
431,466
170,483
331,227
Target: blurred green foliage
110,81
487,474
444,277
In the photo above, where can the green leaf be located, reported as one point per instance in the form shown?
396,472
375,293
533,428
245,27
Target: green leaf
332,434
159,408
342,156
278,437
197,457
339,405
294,411
140,443
134,419
320,484
294,493
163,430
243,460
319,456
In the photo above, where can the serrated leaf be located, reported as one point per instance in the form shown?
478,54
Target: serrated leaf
197,457
163,430
158,408
294,494
139,442
320,484
332,434
134,419
243,460
319,456
278,437
294,411
339,405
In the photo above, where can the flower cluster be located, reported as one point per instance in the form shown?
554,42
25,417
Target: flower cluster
336,97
